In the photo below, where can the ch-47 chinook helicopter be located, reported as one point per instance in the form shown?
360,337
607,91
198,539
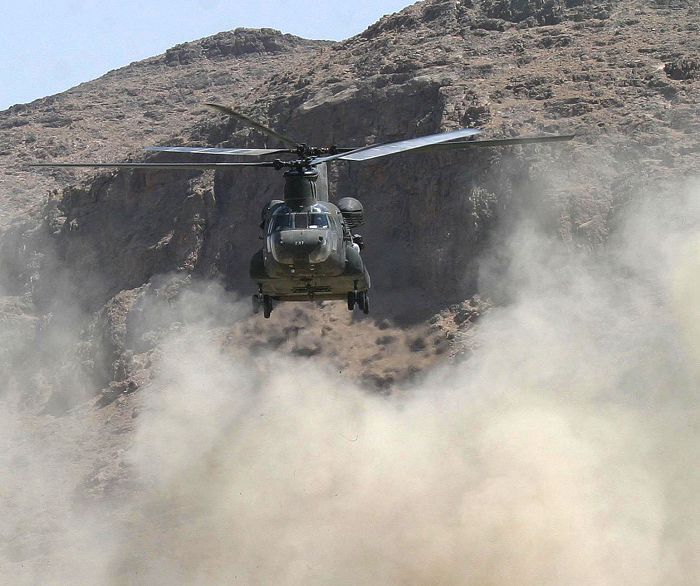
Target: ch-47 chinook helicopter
311,250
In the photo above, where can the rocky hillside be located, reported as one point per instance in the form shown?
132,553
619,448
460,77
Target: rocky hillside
622,74
520,407
148,102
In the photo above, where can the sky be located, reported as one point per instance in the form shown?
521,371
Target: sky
49,47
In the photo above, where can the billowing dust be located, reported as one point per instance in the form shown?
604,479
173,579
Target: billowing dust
563,451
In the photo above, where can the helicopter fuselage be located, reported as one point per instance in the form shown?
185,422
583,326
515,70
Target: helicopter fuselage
308,254
309,251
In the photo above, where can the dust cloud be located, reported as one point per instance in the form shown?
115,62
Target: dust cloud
563,451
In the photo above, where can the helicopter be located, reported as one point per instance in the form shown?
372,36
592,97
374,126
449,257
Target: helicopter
311,248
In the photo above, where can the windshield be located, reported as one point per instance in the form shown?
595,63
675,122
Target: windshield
310,220
318,220
300,221
281,222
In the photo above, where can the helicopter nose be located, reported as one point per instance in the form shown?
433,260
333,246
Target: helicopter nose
301,240
300,247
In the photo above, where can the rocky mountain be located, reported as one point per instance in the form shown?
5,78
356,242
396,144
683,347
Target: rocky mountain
622,75
148,102
115,282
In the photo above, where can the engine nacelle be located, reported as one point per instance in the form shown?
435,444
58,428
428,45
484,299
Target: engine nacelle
353,212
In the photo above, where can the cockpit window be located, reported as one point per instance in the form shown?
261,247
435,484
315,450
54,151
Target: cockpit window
318,220
281,222
310,220
300,221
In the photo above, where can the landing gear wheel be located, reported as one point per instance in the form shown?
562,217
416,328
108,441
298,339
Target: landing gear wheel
256,304
267,306
351,300
363,301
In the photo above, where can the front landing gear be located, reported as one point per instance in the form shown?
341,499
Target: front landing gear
267,306
264,301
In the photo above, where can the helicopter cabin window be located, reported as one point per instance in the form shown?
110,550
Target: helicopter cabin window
318,220
281,222
310,220
300,221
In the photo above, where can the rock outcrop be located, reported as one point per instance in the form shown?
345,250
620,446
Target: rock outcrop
148,102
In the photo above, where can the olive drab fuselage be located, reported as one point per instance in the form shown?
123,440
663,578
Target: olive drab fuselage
309,251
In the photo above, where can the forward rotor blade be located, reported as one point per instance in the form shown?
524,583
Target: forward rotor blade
497,142
322,182
393,148
218,151
254,123
157,166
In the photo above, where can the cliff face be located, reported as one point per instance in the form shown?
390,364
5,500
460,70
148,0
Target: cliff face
562,419
622,75
148,102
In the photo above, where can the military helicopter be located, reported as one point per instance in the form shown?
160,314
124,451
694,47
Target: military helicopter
311,249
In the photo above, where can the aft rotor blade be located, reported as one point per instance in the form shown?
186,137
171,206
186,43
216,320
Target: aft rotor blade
159,166
497,142
254,123
393,148
218,151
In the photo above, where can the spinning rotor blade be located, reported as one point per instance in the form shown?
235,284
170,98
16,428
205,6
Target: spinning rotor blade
392,148
322,182
496,142
158,166
253,123
218,151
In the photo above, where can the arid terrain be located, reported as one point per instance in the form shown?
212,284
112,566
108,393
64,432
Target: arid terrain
519,407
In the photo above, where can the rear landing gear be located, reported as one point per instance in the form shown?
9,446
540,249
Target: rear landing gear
359,298
363,301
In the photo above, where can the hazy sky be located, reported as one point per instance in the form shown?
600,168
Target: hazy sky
48,47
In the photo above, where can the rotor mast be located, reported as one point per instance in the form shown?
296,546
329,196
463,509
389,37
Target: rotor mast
300,188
